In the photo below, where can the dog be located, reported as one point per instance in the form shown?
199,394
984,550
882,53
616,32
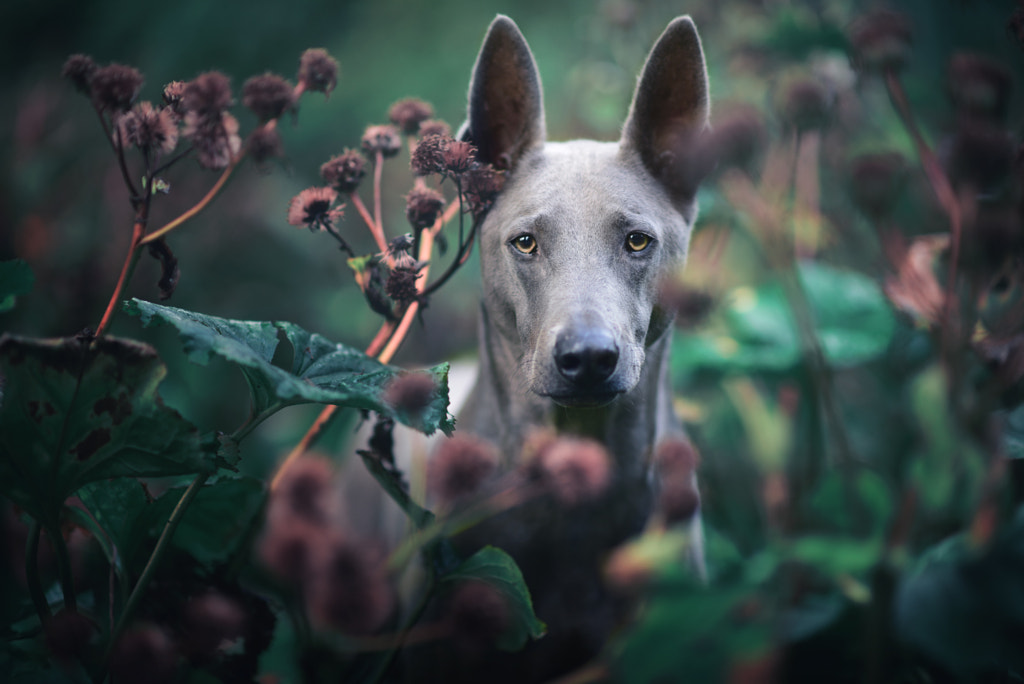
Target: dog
572,336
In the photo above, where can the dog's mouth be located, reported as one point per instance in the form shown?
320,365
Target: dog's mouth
590,399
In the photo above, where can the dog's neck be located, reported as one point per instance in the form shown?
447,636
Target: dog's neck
500,406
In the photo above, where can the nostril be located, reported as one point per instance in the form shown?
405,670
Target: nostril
605,361
569,363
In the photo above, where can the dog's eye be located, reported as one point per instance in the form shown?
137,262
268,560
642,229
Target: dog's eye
637,241
525,243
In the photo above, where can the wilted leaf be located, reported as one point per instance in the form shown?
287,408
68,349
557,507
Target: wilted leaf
322,371
16,278
496,568
75,412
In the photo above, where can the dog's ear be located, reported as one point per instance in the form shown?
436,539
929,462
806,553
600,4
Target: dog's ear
670,110
506,108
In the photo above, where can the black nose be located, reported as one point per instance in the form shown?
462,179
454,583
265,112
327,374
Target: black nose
586,357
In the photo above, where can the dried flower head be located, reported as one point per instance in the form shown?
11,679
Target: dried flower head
422,207
345,171
876,182
306,491
318,71
678,500
207,95
435,127
411,393
67,635
457,157
268,96
79,70
880,40
401,282
689,305
384,139
146,653
289,549
264,143
148,128
174,95
209,621
478,614
350,591
574,470
399,246
981,156
979,86
735,140
312,208
215,139
428,155
995,237
804,104
480,187
115,87
676,456
459,467
409,113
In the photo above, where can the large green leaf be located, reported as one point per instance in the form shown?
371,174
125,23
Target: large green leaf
758,332
16,278
321,371
496,568
75,412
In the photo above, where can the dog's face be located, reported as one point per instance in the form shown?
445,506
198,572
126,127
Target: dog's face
573,250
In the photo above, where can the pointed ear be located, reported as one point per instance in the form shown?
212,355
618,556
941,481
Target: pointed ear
670,110
506,108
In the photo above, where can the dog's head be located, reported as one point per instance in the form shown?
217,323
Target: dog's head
574,247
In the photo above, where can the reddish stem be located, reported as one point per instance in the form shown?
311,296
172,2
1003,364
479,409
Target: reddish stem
378,235
138,233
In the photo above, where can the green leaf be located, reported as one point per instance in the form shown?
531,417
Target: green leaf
123,509
321,371
853,502
852,318
16,278
74,413
835,555
496,568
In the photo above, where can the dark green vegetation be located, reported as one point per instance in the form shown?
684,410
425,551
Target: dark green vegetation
854,390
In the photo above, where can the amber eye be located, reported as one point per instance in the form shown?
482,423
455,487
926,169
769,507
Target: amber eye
637,242
525,243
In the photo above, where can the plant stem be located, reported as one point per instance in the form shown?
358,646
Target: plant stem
381,338
378,170
198,207
154,559
119,153
35,587
378,235
314,431
389,659
67,578
138,233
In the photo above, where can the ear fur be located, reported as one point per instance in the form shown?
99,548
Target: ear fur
670,110
506,107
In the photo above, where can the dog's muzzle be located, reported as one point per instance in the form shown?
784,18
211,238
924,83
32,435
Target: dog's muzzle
586,360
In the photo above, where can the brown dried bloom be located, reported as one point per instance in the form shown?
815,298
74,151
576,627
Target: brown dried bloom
401,282
311,208
460,466
264,143
79,70
318,71
428,155
478,614
209,621
411,393
735,139
350,591
880,40
144,654
676,456
174,94
268,96
422,207
409,113
435,127
804,104
148,128
207,95
215,138
690,306
876,182
458,157
979,86
574,470
345,171
67,635
306,491
384,139
115,87
289,550
981,156
480,187
678,499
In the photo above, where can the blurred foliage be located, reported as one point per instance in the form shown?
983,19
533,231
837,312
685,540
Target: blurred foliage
858,487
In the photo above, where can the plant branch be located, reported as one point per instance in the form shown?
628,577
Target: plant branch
378,235
198,207
67,578
119,153
134,251
378,171
35,587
